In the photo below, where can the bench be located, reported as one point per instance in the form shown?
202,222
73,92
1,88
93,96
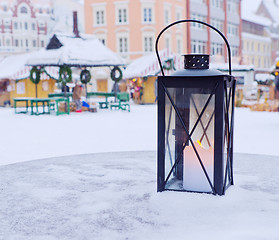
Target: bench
122,103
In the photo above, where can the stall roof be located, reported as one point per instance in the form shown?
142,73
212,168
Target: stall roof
148,65
72,51
235,67
14,67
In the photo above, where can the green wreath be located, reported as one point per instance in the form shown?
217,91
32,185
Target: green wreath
114,72
65,75
35,75
85,76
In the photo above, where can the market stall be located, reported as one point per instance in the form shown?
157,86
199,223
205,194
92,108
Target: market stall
15,80
142,73
68,53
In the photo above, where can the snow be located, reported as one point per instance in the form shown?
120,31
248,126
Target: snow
272,9
263,77
235,67
87,50
93,176
148,65
14,64
248,12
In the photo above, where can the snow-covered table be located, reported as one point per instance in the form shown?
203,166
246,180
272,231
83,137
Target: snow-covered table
113,196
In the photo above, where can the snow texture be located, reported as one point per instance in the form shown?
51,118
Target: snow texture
87,51
112,194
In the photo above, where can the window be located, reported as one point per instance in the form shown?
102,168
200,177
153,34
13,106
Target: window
167,42
34,43
33,26
16,43
217,49
148,44
198,46
42,43
232,29
218,24
23,10
26,42
99,14
147,14
26,26
15,25
234,51
199,17
179,46
232,6
122,15
217,3
167,16
100,17
178,15
8,42
123,45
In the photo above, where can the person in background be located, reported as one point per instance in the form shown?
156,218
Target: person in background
77,96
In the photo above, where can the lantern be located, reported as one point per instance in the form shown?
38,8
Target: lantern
195,126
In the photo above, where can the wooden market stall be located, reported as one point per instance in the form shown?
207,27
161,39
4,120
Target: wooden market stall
142,73
15,80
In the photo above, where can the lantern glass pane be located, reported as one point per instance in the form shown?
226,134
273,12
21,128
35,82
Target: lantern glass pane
169,134
195,112
228,114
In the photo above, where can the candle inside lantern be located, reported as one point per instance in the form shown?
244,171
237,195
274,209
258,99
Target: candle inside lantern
194,178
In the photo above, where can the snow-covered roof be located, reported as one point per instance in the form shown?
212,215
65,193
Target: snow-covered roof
235,67
263,77
248,13
149,66
254,18
272,9
84,51
14,67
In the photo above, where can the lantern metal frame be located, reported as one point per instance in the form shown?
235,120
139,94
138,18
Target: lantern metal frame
223,126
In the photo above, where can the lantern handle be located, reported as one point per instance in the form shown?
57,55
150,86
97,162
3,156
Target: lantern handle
196,21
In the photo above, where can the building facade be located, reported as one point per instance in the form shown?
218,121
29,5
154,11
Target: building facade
257,44
24,25
130,27
225,15
269,10
27,25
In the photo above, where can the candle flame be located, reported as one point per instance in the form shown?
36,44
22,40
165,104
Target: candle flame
199,143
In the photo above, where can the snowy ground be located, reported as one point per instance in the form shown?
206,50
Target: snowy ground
26,137
113,195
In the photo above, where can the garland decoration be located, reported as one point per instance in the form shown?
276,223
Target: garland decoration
85,76
116,74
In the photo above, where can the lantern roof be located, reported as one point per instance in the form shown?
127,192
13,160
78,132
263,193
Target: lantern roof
198,73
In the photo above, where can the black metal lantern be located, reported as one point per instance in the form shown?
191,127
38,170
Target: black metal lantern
195,125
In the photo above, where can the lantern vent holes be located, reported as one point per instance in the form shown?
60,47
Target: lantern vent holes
196,61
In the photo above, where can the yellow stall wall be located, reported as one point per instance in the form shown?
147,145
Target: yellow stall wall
25,88
149,90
